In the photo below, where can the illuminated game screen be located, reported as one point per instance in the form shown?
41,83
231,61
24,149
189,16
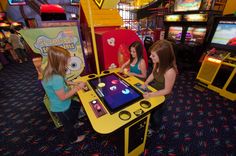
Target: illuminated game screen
187,5
196,17
175,33
74,2
6,33
114,92
225,33
17,2
195,34
173,18
2,16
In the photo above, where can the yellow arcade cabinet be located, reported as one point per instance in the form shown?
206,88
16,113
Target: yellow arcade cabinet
218,69
114,104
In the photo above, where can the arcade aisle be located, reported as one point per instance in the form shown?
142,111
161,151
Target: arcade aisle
196,123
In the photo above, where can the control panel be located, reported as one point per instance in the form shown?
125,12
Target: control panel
97,110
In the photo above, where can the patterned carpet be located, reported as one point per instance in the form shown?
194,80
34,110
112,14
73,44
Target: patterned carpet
195,124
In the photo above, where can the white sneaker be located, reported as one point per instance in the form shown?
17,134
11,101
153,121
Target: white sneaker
78,124
150,132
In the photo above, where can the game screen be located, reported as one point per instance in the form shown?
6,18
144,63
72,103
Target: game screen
225,33
17,2
74,2
175,33
114,92
172,18
206,4
195,34
187,5
196,17
6,33
2,16
1,35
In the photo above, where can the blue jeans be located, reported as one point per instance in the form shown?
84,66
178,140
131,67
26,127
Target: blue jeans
156,117
68,118
157,114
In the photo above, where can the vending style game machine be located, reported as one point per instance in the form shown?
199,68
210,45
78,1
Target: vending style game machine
188,29
218,69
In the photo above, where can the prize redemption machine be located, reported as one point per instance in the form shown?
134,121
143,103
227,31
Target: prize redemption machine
188,29
218,69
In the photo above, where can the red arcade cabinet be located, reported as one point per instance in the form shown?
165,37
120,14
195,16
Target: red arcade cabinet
111,40
112,43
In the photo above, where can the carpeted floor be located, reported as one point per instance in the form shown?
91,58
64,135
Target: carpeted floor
195,123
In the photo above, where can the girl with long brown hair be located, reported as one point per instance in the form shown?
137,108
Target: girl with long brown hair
164,74
136,63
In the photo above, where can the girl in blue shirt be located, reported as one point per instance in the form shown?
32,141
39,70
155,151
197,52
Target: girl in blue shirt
136,63
58,92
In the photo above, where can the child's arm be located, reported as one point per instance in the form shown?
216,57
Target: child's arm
124,65
62,95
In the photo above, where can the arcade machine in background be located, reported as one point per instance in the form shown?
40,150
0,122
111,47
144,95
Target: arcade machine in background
188,29
4,28
110,39
218,69
48,12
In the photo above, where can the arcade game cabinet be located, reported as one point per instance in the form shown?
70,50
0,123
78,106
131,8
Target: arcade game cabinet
115,105
110,38
51,12
188,29
109,46
218,69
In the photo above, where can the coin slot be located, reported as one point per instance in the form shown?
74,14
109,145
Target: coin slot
124,115
91,76
106,72
145,104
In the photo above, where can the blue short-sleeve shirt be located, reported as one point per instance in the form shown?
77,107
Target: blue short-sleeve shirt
56,82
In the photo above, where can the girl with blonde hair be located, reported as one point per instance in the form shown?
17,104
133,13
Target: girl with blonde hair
59,93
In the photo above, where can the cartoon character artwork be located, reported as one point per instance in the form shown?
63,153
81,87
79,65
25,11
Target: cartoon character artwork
111,41
66,37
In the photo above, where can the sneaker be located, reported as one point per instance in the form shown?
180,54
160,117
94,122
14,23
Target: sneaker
78,124
79,139
150,132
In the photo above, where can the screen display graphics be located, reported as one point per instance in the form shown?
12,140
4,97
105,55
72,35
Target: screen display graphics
17,2
195,34
173,18
187,5
114,92
74,2
225,33
175,33
196,17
